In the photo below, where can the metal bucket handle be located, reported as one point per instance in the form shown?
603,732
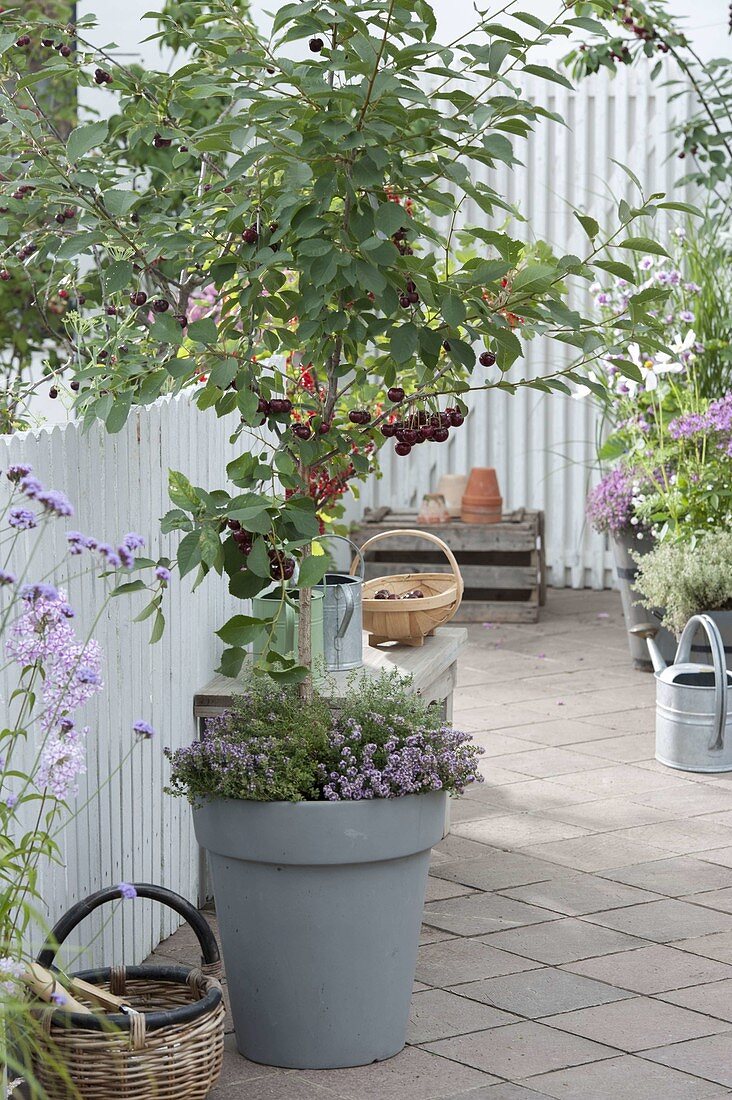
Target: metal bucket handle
353,545
683,656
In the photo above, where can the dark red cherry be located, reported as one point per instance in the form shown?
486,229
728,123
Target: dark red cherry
388,430
487,359
403,449
302,431
395,394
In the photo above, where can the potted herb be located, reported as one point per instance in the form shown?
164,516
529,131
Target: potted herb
690,578
318,822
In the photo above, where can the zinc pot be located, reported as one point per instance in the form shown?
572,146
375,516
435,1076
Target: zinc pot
319,907
633,612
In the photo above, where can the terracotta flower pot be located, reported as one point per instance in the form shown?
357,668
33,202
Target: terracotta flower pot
482,501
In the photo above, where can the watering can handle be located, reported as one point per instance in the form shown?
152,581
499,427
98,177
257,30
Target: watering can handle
719,661
353,545
348,614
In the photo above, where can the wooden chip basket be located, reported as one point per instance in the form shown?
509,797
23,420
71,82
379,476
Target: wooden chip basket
410,621
167,1045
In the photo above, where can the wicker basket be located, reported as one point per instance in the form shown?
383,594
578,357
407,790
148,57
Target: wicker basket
168,1045
410,621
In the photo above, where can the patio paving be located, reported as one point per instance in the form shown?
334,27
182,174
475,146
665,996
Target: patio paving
578,928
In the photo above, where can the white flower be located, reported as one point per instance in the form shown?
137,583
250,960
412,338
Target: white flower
646,263
650,369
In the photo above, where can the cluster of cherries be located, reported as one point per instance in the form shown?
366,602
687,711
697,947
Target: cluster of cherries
410,297
25,40
385,594
281,568
420,426
101,76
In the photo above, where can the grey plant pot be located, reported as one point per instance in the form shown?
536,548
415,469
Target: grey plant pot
700,650
319,907
633,612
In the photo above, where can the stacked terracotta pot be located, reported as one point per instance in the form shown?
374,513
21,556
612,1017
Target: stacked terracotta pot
482,501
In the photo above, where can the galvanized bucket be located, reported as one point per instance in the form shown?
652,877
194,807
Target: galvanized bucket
693,721
342,617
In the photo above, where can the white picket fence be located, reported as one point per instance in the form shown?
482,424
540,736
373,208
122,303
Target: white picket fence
132,832
543,445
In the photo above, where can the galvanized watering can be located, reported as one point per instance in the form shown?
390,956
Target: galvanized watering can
693,722
342,617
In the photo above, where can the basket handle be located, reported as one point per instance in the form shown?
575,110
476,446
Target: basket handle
422,535
76,914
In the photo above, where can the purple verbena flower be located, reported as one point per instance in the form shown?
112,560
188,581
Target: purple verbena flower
22,519
133,541
143,729
6,577
18,471
162,574
55,502
127,891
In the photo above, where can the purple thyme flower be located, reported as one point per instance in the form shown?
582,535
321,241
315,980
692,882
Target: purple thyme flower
20,470
687,316
143,730
11,801
127,891
58,999
162,574
22,519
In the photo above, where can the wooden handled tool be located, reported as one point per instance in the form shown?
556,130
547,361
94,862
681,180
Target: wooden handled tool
46,986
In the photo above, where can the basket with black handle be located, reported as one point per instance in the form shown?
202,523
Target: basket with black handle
167,1040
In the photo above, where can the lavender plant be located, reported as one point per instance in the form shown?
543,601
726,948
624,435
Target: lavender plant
381,742
56,672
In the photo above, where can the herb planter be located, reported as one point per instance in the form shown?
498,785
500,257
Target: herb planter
319,907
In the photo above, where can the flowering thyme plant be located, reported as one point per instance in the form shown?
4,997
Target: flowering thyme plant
380,742
55,672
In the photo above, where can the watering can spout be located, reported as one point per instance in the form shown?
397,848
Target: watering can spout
648,631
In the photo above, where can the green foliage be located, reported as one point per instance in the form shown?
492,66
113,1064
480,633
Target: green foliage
268,223
643,31
687,577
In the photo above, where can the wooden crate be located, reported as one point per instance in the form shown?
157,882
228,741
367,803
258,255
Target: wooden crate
502,564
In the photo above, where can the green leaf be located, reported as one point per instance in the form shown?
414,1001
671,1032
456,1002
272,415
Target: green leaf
158,627
203,331
684,207
241,630
643,244
453,310
589,224
84,138
391,217
189,552
117,276
614,267
119,202
403,343
181,492
166,329
212,552
231,662
129,586
545,73
535,279
312,570
117,416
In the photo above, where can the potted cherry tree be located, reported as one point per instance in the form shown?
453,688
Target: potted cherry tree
275,226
